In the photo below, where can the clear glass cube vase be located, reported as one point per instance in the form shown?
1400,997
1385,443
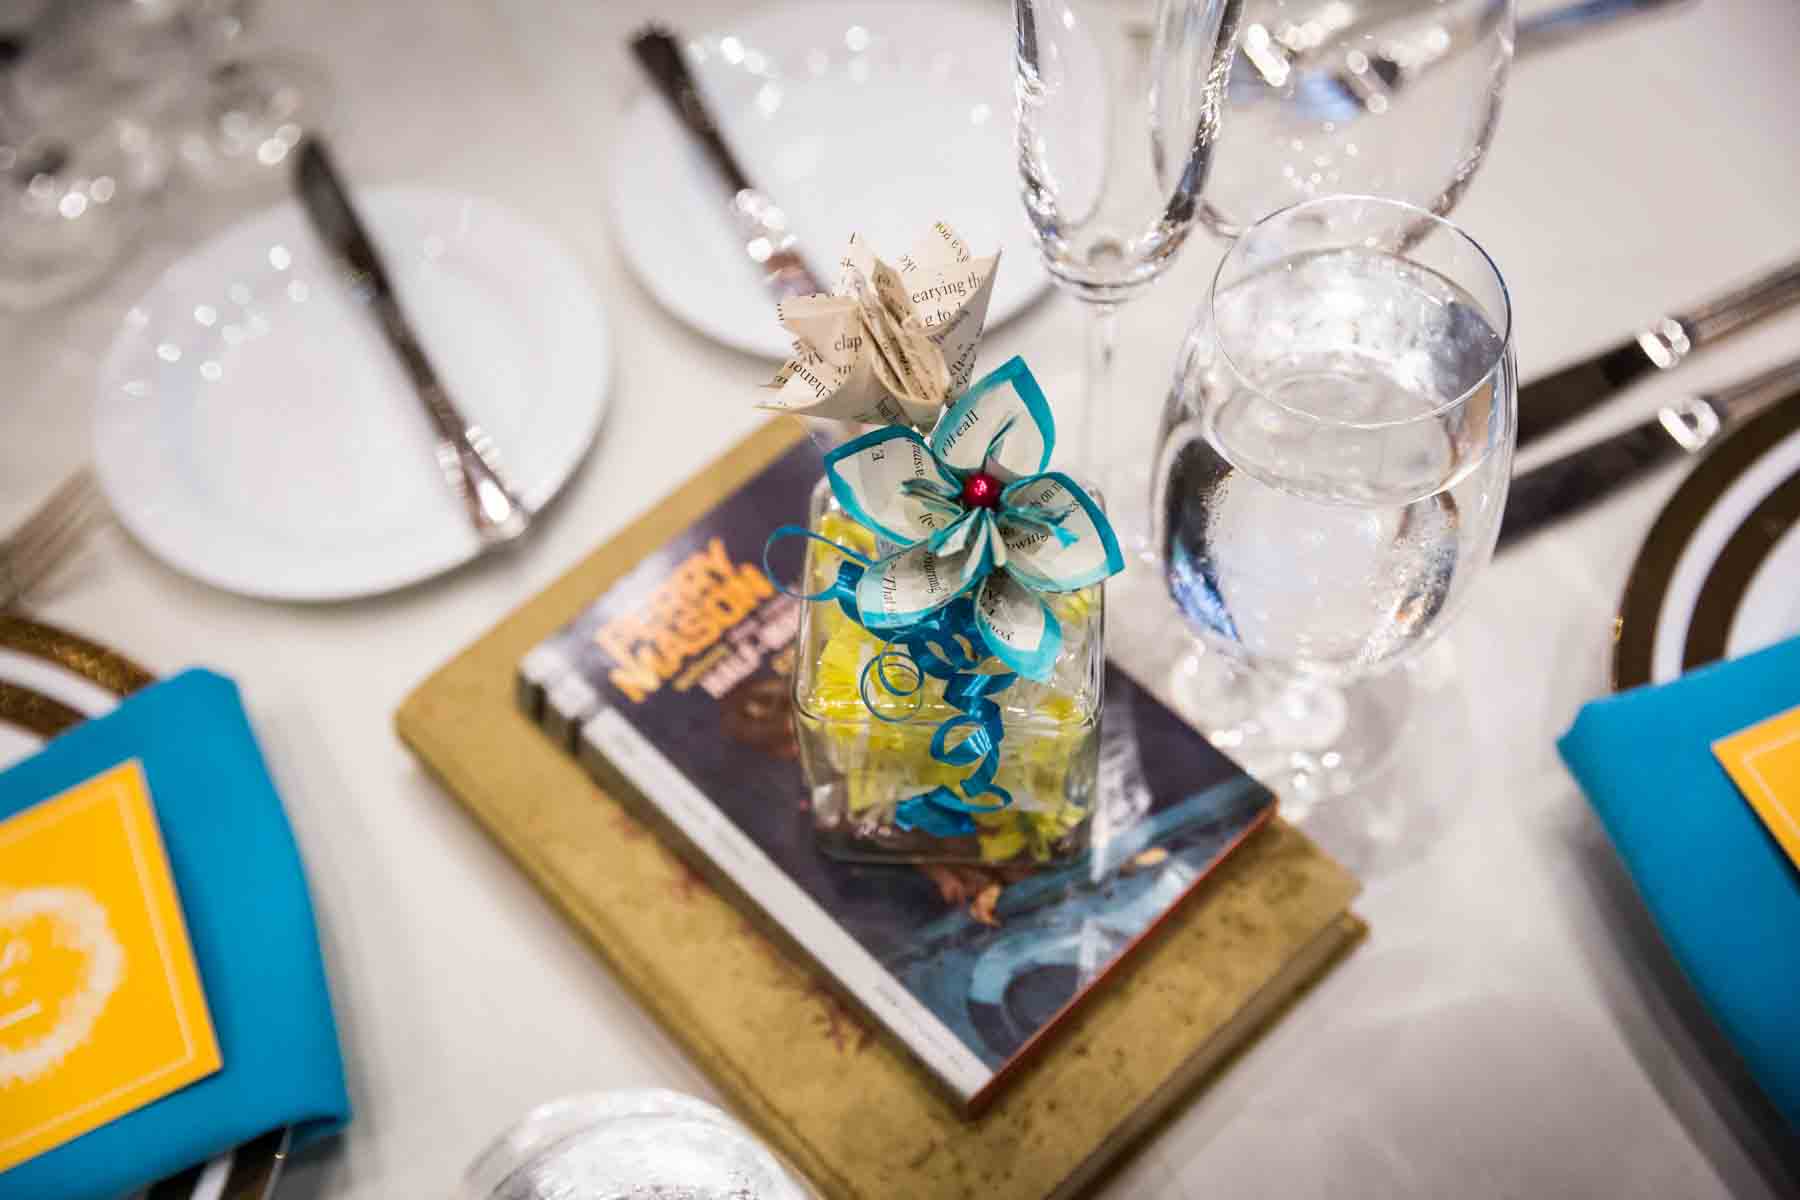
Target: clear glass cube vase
860,768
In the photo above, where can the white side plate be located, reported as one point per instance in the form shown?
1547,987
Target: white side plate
864,118
254,430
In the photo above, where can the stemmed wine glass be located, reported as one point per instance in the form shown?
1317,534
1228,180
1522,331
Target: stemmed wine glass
1330,474
1113,154
1395,98
1390,98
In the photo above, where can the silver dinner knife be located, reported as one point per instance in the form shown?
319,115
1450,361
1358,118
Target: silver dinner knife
768,242
1555,399
1575,481
464,451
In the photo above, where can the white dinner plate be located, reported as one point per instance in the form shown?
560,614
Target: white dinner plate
864,118
1719,574
254,430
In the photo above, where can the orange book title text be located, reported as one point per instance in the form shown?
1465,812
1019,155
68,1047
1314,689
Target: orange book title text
702,599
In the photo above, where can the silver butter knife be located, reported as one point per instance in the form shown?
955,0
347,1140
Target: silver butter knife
464,451
768,242
1575,481
1558,398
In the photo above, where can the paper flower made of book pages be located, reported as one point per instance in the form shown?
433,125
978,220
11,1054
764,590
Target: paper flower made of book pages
890,345
974,510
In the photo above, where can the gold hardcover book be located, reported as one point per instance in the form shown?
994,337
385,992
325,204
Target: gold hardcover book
837,1092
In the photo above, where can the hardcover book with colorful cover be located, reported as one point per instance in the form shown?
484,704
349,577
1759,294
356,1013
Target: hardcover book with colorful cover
676,683
779,1044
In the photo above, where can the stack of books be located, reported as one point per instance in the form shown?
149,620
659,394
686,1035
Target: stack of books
894,1030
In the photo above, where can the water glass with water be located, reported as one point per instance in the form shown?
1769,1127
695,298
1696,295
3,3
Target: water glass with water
1332,465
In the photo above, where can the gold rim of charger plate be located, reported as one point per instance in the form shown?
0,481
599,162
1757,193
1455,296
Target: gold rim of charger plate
1728,578
74,653
44,715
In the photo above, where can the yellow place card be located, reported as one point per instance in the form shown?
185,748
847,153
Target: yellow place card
101,1010
1764,761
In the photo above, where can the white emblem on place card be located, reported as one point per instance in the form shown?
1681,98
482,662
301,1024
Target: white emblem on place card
69,922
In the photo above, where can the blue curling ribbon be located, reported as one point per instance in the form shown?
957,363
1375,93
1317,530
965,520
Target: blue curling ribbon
944,645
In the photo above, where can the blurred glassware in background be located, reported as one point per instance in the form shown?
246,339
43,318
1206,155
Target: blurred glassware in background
230,114
74,200
649,1144
253,112
81,168
1330,475
99,101
1113,154
254,107
1395,98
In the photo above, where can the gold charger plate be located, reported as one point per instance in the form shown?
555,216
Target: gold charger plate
35,712
1708,617
250,1171
74,653
26,707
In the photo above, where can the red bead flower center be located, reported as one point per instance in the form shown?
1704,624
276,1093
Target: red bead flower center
981,490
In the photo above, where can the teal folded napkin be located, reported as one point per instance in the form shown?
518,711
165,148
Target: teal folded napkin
243,894
1718,884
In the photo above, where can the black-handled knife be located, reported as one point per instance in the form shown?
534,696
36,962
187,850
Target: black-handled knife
1558,398
465,453
1572,483
660,56
768,241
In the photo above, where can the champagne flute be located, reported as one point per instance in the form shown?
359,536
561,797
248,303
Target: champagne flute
1113,154
1331,470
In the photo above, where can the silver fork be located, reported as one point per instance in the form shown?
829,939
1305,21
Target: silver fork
46,537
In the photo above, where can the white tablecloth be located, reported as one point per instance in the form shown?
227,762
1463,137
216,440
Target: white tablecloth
1504,1033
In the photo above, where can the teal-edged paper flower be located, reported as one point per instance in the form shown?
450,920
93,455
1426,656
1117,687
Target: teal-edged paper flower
974,508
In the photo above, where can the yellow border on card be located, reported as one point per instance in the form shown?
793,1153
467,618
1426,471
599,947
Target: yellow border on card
125,786
1739,754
